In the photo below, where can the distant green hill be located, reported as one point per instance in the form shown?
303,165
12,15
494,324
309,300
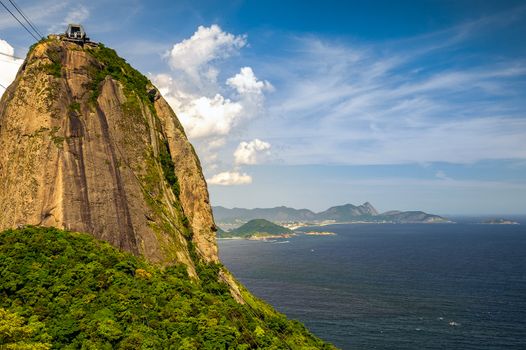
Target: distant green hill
62,290
257,227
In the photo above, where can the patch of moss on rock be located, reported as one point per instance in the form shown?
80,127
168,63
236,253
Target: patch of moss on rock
116,67
168,168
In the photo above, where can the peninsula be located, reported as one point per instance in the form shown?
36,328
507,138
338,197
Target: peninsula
261,229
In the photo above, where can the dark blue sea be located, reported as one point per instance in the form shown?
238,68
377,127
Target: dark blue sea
443,286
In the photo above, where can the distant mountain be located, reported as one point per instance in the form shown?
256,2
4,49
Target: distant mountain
410,217
277,214
342,213
255,227
347,212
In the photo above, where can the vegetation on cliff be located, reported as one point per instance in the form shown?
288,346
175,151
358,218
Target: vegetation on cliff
90,145
66,290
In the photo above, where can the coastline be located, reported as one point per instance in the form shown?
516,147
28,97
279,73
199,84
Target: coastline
265,237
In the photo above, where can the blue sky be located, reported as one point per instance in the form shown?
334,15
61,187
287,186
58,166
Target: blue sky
406,104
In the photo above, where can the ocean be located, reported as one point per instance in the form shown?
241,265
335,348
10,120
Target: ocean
399,286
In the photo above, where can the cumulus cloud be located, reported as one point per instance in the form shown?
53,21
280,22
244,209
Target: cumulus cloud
205,117
248,152
229,178
209,108
8,65
202,117
205,45
245,82
196,97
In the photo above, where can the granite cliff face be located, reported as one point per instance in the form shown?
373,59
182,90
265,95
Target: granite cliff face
88,144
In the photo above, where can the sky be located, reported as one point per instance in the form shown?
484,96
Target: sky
410,105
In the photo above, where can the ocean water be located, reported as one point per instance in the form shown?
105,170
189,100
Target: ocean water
449,286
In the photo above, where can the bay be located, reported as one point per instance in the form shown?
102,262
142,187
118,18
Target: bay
449,286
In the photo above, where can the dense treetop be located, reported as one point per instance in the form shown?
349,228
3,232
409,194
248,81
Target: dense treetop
68,290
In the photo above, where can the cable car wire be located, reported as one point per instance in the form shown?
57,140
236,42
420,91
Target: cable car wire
26,18
11,56
22,24
2,85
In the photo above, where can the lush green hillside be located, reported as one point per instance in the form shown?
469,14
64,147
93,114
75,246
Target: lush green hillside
66,290
257,226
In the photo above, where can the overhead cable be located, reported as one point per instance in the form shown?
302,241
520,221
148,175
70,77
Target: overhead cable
26,18
22,24
12,56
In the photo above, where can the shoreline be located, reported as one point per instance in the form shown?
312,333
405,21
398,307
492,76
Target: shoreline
279,236
296,227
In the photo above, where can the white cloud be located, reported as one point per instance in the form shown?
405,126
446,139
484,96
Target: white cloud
245,82
202,117
39,12
229,178
213,115
387,104
209,111
204,46
8,65
164,83
247,152
442,175
78,15
206,117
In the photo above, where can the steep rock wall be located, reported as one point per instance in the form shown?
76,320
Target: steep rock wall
87,144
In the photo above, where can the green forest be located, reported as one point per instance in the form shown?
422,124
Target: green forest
255,227
65,290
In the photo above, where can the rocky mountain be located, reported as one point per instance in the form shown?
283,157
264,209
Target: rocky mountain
347,212
88,144
343,213
278,214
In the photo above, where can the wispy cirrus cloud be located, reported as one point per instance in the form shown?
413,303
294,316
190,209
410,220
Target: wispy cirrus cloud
41,13
391,103
78,14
